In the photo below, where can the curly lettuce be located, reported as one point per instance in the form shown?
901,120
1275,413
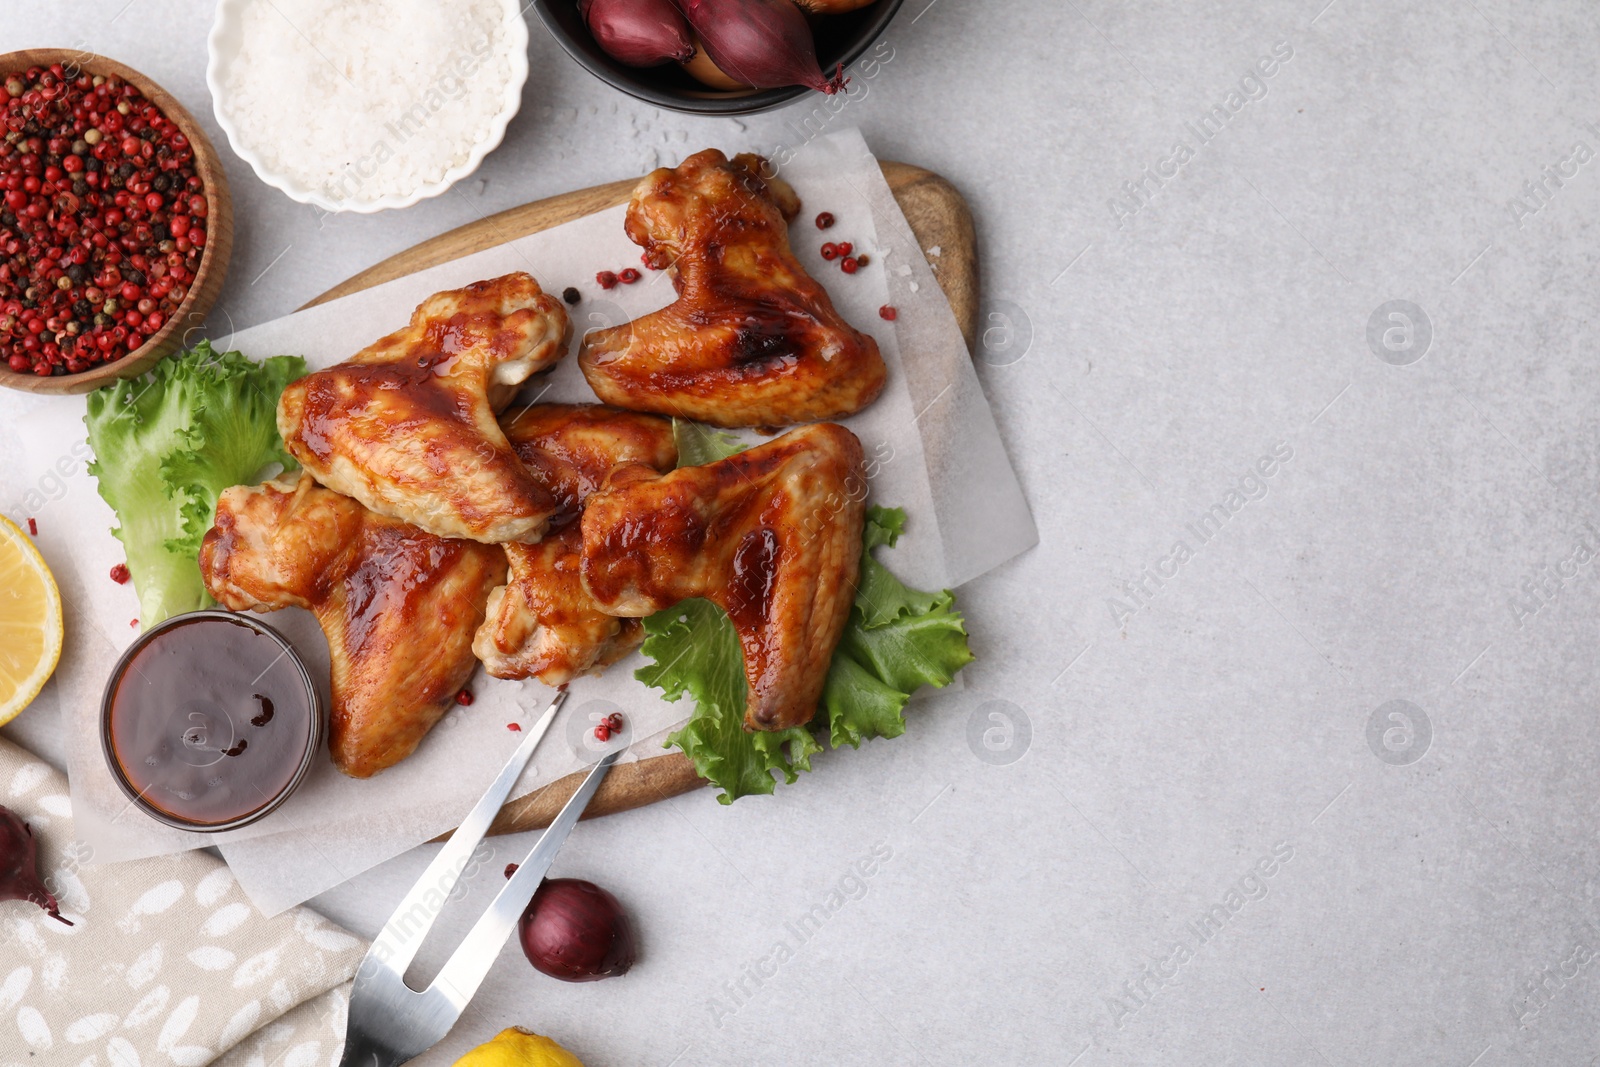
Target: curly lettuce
167,444
897,640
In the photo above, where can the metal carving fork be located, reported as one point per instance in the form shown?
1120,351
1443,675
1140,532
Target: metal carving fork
390,1022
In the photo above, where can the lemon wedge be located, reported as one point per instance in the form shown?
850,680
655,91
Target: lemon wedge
30,621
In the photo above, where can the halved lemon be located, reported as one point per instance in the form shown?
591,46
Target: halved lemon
30,621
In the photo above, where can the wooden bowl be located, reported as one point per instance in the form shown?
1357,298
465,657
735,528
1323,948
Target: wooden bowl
219,230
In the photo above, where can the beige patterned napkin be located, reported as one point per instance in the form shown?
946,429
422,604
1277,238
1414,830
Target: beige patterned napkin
166,964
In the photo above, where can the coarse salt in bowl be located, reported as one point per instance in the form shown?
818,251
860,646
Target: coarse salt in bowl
363,105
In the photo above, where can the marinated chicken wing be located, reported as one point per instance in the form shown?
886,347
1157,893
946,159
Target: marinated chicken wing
398,605
542,624
752,339
571,448
771,535
407,426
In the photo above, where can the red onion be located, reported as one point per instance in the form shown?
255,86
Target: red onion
640,33
764,43
19,865
575,931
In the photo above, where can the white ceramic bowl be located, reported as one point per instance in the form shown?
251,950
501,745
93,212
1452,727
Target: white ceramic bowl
223,46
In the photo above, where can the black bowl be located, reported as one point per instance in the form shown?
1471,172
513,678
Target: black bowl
840,39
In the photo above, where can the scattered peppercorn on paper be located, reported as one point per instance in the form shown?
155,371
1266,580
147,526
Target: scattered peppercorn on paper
932,452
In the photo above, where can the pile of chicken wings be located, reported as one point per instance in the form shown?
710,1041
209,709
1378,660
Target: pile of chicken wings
436,523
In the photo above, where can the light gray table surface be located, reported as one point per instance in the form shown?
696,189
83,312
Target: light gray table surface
1095,892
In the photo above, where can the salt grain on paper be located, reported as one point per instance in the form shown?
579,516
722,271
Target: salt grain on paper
362,99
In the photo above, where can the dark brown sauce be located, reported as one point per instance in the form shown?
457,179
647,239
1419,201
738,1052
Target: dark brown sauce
210,721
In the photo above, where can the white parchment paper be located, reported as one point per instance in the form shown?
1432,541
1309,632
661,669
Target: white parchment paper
930,441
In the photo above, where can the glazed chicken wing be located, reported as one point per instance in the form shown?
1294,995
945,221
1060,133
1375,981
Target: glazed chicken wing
407,426
771,535
398,605
542,624
570,449
752,340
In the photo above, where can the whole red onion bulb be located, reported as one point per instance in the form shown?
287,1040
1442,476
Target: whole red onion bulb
575,931
640,33
764,43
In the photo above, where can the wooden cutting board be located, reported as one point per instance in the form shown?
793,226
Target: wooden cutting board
938,216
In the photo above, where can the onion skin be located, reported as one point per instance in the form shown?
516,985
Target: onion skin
19,866
575,931
762,43
639,33
831,7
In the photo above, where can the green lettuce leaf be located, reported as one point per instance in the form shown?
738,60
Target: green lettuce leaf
166,444
897,640
697,652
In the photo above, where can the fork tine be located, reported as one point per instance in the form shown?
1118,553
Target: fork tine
465,970
397,944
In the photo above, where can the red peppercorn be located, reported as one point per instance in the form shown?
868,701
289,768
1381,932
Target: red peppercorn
628,275
464,698
33,527
830,250
888,312
862,260
606,279
602,732
824,220
119,574
514,727
845,248
614,721
848,264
